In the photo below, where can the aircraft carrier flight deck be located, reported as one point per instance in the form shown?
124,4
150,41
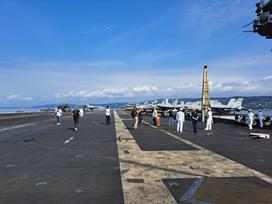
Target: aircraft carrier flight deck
45,163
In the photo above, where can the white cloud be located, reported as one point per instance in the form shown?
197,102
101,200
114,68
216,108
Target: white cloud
81,94
16,97
110,93
242,87
145,88
187,89
236,75
212,15
268,77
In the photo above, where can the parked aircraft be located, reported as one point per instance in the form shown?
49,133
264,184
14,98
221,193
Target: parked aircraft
216,106
233,105
147,106
166,105
89,107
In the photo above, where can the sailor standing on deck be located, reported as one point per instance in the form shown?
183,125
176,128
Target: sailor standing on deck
140,117
180,120
171,115
135,114
81,111
194,120
260,117
76,114
155,116
250,118
108,115
209,120
58,113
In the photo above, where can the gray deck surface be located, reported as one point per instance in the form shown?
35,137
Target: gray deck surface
37,166
150,139
46,170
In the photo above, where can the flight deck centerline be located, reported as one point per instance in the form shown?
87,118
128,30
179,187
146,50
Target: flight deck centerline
69,140
153,166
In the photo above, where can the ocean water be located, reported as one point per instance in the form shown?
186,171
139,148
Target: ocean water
266,112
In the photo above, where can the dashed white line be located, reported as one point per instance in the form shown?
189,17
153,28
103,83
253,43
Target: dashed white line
69,140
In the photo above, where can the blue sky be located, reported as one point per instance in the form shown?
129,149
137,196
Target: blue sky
112,51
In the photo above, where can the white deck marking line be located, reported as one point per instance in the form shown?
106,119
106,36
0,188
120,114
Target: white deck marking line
256,173
147,123
189,194
69,140
178,138
17,126
13,117
29,124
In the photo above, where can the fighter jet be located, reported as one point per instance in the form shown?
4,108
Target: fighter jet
147,106
165,105
217,106
64,107
89,107
233,105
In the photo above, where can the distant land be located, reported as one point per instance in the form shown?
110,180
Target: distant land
252,102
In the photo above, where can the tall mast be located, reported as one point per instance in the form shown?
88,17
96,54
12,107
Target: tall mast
206,103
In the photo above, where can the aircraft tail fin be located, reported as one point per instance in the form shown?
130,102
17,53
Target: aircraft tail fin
238,103
232,102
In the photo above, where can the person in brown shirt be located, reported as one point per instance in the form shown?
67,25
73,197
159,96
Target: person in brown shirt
76,114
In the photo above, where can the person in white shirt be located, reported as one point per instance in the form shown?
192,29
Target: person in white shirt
81,111
154,116
209,120
250,118
180,117
58,115
260,117
108,115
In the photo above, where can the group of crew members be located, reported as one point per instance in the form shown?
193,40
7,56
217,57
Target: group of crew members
76,114
179,117
250,119
173,117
